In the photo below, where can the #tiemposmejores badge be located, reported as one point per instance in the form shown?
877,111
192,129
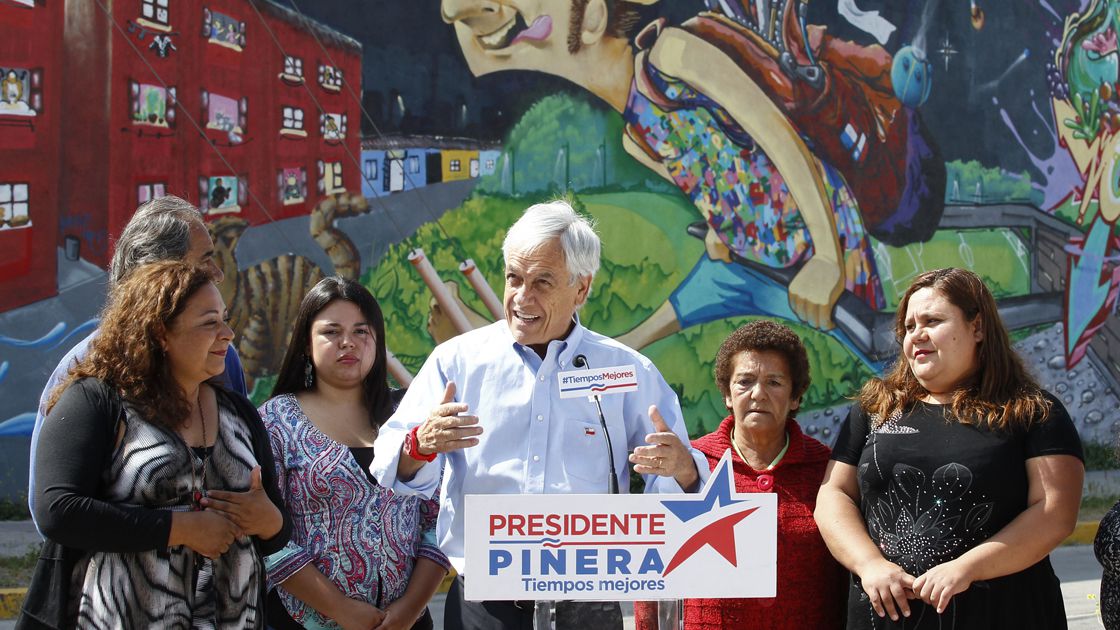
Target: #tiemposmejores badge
598,382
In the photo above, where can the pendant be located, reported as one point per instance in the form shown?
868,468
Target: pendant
196,500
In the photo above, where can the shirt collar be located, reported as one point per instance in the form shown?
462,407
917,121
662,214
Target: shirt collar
565,348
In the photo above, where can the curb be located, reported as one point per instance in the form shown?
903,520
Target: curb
1083,533
446,583
10,601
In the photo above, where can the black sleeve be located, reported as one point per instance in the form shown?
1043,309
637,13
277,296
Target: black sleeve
1055,435
853,435
262,450
75,446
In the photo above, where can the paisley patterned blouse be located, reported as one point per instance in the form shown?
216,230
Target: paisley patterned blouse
360,535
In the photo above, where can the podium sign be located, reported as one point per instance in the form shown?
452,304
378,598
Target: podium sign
715,543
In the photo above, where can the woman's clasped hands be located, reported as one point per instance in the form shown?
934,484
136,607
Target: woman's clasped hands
890,588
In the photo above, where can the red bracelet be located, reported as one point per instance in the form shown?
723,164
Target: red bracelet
412,446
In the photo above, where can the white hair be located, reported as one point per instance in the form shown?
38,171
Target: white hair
159,230
557,220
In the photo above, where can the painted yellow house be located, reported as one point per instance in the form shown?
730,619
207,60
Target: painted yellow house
459,164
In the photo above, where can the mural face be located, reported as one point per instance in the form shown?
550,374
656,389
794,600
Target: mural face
804,164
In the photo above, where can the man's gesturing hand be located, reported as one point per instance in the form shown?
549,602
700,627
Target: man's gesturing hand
447,427
665,455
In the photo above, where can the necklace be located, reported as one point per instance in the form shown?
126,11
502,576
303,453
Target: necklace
774,463
199,488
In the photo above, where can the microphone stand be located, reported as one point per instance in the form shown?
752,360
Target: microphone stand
612,483
544,612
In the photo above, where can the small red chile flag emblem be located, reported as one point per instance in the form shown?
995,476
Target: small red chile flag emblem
589,430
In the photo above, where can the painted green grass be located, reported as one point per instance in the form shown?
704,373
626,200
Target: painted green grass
640,262
999,256
646,254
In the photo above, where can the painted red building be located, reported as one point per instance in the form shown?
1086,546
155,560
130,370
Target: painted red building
30,118
241,106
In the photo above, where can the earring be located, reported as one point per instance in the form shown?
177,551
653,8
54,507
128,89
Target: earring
308,373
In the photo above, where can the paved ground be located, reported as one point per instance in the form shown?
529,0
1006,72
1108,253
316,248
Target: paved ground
16,537
1075,565
1081,584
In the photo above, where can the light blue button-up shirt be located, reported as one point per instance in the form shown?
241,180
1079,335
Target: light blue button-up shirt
533,441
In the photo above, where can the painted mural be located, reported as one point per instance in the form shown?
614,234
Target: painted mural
791,159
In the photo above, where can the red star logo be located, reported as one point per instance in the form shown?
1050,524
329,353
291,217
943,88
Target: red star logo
720,535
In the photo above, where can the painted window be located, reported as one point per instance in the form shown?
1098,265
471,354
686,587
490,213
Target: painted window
152,104
293,70
330,178
225,113
222,194
292,185
330,78
154,15
414,164
14,205
332,126
291,121
371,170
223,30
21,91
147,192
455,166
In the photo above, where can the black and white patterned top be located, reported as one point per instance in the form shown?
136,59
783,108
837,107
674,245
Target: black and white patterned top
112,499
1107,547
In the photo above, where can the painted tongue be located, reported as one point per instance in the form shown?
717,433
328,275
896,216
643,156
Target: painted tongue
538,30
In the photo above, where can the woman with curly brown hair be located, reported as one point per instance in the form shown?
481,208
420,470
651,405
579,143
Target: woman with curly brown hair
954,476
154,486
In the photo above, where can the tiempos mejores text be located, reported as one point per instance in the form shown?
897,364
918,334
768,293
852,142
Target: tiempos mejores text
716,543
599,381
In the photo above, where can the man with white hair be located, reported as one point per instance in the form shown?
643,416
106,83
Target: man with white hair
165,228
499,426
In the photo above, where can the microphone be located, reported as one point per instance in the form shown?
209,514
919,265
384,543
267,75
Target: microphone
580,361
